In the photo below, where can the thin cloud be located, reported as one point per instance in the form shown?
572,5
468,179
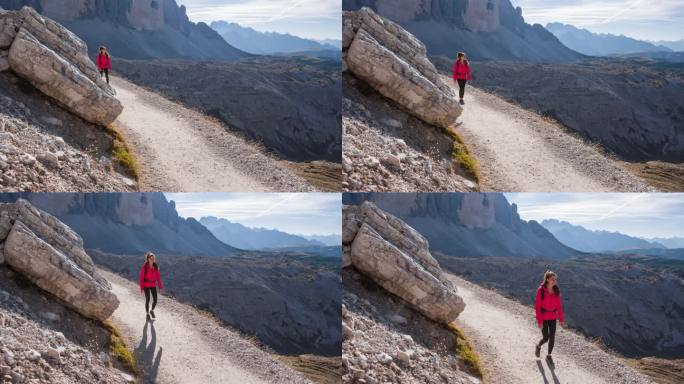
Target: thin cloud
644,215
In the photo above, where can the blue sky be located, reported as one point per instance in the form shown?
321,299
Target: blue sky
299,213
635,214
641,19
317,19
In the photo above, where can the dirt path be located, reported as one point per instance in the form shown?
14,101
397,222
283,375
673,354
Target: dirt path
179,149
518,150
184,346
504,333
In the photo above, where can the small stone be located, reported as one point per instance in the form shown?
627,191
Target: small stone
32,355
405,356
53,121
17,377
384,358
398,319
392,162
372,162
49,159
347,332
392,123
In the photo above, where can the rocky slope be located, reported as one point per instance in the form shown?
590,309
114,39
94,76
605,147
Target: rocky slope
265,43
630,107
396,112
396,304
582,239
239,236
290,303
51,303
468,224
485,29
129,223
135,29
643,301
289,105
51,115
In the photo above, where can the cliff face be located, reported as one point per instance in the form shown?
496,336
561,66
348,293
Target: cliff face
130,223
485,29
462,224
135,28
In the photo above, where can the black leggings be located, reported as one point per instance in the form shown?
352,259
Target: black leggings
106,73
461,88
548,333
147,298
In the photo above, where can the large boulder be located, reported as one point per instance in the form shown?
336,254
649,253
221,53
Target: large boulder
56,62
51,255
395,63
397,258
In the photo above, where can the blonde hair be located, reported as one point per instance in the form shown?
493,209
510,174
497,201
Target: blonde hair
147,259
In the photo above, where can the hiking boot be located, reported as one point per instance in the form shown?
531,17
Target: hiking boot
549,360
148,317
537,350
461,102
152,314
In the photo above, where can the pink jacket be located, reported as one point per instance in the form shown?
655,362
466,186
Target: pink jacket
551,308
150,277
462,71
104,61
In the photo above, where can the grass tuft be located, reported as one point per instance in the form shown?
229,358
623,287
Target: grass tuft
122,154
119,350
466,355
461,156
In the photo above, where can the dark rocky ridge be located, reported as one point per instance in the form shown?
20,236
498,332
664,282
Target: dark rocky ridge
633,108
135,29
633,305
131,223
485,29
290,302
290,105
468,224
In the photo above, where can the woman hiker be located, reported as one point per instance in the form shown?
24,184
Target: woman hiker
104,63
549,308
462,74
150,278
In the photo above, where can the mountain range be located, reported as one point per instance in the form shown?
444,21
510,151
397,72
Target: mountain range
267,43
242,237
135,29
586,240
603,44
484,29
469,224
128,223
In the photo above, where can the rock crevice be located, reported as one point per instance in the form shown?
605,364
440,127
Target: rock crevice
395,63
56,62
397,257
51,255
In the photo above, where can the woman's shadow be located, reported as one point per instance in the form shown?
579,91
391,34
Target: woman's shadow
148,363
552,369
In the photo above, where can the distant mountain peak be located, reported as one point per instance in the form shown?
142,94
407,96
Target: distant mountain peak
267,43
586,240
600,44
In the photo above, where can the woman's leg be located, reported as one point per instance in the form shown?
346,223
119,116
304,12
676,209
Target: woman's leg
106,72
552,334
545,333
461,88
154,297
147,300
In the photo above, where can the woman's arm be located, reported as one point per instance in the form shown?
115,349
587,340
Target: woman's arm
537,306
159,280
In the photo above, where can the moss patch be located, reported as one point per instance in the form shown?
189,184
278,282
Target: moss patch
119,350
461,156
466,355
122,154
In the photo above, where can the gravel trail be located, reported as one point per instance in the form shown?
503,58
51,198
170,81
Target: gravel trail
518,150
181,150
184,346
504,333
